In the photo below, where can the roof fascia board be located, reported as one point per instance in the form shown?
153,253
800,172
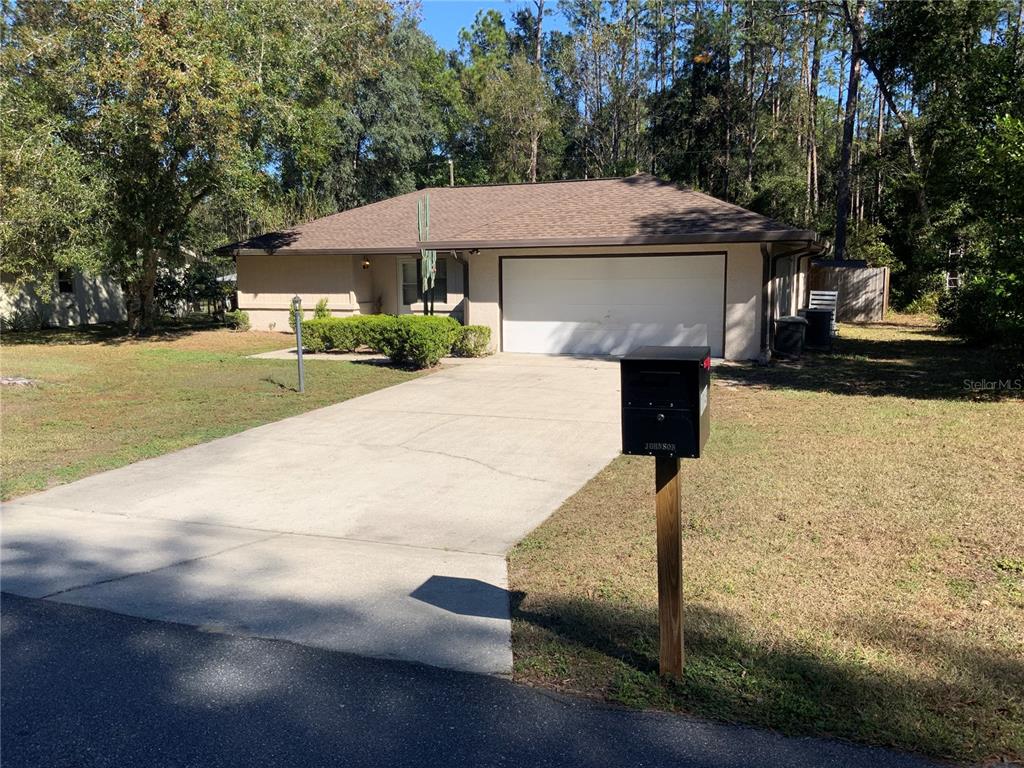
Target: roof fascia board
794,236
286,251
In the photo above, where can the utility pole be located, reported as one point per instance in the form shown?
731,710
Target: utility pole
451,173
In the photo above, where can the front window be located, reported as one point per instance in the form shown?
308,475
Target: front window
65,281
412,291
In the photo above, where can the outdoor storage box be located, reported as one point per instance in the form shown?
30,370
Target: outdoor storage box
665,393
789,335
819,328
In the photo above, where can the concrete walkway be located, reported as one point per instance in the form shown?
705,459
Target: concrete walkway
376,526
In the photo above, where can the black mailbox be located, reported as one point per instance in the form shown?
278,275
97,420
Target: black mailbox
665,394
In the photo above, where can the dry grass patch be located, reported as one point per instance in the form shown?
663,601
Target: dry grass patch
854,557
104,400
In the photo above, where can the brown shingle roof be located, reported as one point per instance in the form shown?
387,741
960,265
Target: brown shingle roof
636,209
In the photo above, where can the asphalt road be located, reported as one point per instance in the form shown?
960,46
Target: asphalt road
84,687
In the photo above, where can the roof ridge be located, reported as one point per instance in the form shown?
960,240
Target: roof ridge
534,183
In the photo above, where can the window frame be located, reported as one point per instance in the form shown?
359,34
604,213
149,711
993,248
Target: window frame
65,282
440,299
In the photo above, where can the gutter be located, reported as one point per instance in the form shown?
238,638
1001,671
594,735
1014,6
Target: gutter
286,251
696,238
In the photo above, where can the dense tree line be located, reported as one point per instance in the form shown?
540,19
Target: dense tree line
893,128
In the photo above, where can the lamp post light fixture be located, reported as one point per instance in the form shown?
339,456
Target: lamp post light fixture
297,314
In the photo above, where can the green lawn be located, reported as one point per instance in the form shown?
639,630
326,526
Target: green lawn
103,400
854,557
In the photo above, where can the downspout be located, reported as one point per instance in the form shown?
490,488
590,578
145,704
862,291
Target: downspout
765,355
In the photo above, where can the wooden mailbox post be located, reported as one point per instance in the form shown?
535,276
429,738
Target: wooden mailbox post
665,414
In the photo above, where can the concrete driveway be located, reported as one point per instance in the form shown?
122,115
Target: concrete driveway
376,526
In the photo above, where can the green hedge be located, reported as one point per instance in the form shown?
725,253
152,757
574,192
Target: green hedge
347,334
414,340
421,341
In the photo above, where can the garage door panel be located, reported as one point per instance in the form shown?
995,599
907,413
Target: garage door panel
610,305
601,339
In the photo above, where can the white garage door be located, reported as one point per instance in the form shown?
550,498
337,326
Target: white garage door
611,305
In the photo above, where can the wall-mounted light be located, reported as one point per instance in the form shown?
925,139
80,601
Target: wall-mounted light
366,263
474,251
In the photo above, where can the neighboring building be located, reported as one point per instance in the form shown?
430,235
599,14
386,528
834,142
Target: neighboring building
77,299
572,267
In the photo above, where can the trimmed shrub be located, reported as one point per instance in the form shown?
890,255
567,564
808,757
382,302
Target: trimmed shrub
321,310
314,336
237,320
347,334
472,341
372,331
421,341
408,340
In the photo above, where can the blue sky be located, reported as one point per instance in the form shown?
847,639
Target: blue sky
442,19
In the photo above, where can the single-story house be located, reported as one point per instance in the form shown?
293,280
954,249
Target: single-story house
75,298
569,267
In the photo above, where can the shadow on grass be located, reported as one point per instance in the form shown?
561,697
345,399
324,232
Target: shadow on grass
915,364
110,333
970,709
282,386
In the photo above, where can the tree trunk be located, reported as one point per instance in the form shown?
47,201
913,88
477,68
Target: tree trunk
535,130
839,95
728,97
751,99
805,75
1017,32
812,122
845,159
855,24
879,126
141,303
672,67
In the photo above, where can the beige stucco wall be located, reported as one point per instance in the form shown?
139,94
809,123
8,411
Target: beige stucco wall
266,285
482,307
95,299
383,273
743,301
